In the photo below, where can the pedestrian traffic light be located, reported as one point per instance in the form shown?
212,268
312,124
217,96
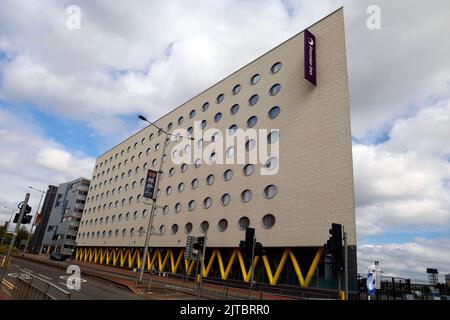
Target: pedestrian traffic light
199,244
334,246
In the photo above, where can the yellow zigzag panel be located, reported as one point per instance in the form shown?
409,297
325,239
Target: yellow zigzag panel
130,257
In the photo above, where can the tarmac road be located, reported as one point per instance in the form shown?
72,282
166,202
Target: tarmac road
91,288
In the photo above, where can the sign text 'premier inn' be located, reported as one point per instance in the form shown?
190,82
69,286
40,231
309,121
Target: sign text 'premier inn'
310,57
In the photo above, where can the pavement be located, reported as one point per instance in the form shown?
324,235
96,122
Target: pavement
107,282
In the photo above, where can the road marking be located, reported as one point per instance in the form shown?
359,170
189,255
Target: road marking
69,287
48,278
8,284
67,278
23,276
27,270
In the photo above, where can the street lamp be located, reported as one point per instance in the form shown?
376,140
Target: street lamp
35,216
152,213
6,229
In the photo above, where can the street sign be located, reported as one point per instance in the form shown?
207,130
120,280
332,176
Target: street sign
150,184
189,251
371,283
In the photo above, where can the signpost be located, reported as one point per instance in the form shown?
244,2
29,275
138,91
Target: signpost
310,57
371,284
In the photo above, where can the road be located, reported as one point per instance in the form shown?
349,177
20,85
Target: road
91,288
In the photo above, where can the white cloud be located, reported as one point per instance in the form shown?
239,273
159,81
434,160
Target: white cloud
146,57
29,159
404,182
409,259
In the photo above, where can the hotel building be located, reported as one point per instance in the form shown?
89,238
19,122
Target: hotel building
291,210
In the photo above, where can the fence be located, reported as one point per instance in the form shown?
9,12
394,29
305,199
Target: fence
31,287
235,290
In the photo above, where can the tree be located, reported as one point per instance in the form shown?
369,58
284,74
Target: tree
21,235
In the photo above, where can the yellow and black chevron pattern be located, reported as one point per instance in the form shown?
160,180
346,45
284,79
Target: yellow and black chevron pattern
172,260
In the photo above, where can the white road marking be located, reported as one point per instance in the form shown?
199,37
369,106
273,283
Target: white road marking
23,276
66,278
27,270
69,287
48,278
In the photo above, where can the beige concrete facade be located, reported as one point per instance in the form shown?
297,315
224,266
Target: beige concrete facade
315,178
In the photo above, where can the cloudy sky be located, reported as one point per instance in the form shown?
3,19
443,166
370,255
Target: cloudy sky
67,95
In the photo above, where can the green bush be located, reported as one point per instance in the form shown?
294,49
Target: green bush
4,249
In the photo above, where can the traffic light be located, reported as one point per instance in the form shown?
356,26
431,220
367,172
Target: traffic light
334,246
259,249
26,218
199,244
247,244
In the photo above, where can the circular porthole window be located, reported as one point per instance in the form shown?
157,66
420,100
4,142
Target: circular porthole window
276,67
248,169
232,129
236,89
234,109
204,226
271,164
226,199
228,174
174,228
273,136
220,98
210,179
251,122
207,203
270,191
222,225
253,100
255,79
205,106
246,196
268,221
191,205
250,145
275,89
244,222
188,228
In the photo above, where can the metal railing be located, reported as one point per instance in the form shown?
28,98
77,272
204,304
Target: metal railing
225,290
31,287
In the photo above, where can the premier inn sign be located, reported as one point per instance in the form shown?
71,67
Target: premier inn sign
310,57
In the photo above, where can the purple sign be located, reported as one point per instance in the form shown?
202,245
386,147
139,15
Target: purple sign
310,57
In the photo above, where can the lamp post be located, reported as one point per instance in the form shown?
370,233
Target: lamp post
149,232
9,222
35,216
